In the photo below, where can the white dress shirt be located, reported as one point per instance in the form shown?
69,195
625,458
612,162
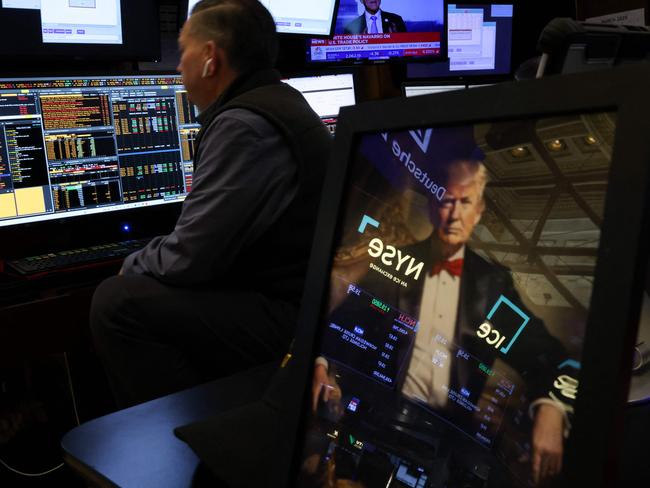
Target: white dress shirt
377,16
427,377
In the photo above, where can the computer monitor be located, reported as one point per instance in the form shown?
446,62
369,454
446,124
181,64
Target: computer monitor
400,29
414,89
76,21
76,29
480,42
306,17
76,147
326,94
473,284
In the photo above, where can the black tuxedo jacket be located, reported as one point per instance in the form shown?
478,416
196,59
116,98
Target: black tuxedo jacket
390,23
535,355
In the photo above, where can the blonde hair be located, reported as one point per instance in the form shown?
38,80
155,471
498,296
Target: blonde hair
462,170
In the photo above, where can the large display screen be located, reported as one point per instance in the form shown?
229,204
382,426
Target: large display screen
479,42
452,335
309,17
377,30
80,146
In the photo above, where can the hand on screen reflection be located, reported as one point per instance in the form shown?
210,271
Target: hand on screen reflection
547,443
323,384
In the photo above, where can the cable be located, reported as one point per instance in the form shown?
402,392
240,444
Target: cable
74,400
76,414
30,474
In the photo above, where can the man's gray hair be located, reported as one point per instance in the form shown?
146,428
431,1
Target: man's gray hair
244,29
462,169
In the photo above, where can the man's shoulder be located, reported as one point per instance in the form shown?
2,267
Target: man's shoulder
242,120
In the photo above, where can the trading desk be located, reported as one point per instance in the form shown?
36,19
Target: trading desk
136,447
47,315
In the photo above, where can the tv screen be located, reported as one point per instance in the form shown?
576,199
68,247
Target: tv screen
479,43
379,30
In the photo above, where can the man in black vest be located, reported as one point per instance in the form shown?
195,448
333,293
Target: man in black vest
373,20
220,294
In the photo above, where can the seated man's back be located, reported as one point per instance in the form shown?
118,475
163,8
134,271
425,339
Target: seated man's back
221,292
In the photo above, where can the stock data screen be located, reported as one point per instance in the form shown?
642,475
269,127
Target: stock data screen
77,146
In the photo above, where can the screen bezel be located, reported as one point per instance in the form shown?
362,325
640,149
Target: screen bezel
183,14
139,43
74,231
623,244
442,57
446,82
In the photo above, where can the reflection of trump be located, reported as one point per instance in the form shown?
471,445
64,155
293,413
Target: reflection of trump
452,299
375,21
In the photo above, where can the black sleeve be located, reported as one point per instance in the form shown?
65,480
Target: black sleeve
245,178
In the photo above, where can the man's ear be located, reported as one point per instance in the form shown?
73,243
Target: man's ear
209,51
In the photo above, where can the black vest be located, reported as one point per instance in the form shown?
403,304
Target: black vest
275,265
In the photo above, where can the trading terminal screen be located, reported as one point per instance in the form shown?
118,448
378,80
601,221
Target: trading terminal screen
78,146
458,298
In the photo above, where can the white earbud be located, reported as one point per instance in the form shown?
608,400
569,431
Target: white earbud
205,68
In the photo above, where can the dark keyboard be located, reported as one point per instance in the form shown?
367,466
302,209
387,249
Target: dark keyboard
74,258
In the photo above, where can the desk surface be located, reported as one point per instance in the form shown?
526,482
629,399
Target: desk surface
136,447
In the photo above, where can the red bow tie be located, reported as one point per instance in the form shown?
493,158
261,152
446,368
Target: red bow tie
454,267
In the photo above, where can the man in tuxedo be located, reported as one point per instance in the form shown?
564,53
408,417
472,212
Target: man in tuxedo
451,299
375,21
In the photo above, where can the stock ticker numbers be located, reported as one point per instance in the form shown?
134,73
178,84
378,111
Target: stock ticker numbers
5,175
76,111
26,153
186,113
188,139
80,145
145,124
12,105
368,335
88,194
150,176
